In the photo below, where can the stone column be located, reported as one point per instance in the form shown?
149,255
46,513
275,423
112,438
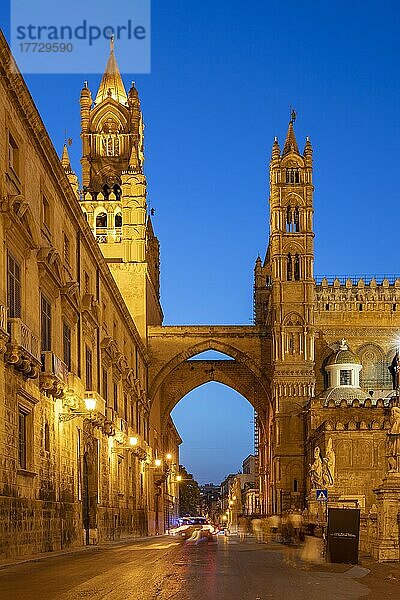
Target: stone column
386,546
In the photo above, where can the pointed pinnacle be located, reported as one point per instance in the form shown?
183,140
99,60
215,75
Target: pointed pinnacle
111,85
65,160
290,142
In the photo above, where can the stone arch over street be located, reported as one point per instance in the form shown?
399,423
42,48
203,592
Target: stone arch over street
173,375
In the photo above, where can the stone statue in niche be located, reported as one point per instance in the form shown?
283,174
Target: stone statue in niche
394,441
329,464
316,469
322,470
395,418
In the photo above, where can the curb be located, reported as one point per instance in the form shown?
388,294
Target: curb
68,551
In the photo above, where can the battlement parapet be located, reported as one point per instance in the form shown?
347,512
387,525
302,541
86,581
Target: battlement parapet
356,403
379,293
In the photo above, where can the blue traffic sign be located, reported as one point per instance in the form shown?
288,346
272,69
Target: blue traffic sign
321,495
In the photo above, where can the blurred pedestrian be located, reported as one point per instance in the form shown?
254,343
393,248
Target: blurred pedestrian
242,527
256,525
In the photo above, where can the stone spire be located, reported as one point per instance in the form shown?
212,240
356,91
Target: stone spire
111,85
276,151
70,173
290,142
134,164
308,147
65,161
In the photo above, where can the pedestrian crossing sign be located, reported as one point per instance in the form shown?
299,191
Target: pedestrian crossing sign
322,495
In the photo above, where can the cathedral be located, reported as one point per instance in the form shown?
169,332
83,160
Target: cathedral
89,374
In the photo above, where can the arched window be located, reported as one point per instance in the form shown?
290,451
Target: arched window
118,220
296,219
110,144
292,175
288,219
289,267
101,220
297,268
117,191
106,191
292,220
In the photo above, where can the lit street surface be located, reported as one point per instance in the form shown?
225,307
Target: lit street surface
163,568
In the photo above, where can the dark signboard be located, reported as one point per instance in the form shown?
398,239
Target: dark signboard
343,535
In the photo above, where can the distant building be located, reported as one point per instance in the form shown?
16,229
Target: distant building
210,496
249,465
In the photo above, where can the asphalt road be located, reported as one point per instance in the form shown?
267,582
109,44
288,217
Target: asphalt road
165,569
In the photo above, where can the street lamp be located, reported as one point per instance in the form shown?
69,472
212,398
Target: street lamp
133,442
90,405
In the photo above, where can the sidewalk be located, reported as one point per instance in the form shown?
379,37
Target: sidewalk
11,562
382,579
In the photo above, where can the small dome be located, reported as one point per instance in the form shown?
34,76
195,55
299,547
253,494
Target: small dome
343,356
343,393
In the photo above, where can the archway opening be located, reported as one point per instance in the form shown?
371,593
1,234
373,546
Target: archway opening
211,355
216,424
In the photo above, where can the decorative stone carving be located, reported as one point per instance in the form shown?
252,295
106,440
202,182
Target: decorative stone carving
322,470
330,461
316,469
394,441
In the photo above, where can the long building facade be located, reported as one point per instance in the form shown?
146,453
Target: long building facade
89,374
80,455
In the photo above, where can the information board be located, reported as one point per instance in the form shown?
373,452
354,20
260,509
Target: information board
343,535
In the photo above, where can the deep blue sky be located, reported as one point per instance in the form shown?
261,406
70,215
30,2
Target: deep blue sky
224,75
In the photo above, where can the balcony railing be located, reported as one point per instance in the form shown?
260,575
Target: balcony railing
3,317
22,336
101,235
52,364
104,235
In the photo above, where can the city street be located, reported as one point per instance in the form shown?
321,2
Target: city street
163,568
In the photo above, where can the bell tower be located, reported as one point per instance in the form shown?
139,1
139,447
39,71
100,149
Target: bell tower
114,197
284,297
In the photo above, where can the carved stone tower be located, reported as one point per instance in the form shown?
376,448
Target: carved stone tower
284,297
114,192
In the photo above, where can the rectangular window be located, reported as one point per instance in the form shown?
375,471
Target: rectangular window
13,287
22,437
116,397
89,369
125,407
67,250
67,345
345,377
45,320
105,385
45,212
87,283
13,154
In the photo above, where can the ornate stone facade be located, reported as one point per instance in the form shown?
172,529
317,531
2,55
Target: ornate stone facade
69,474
